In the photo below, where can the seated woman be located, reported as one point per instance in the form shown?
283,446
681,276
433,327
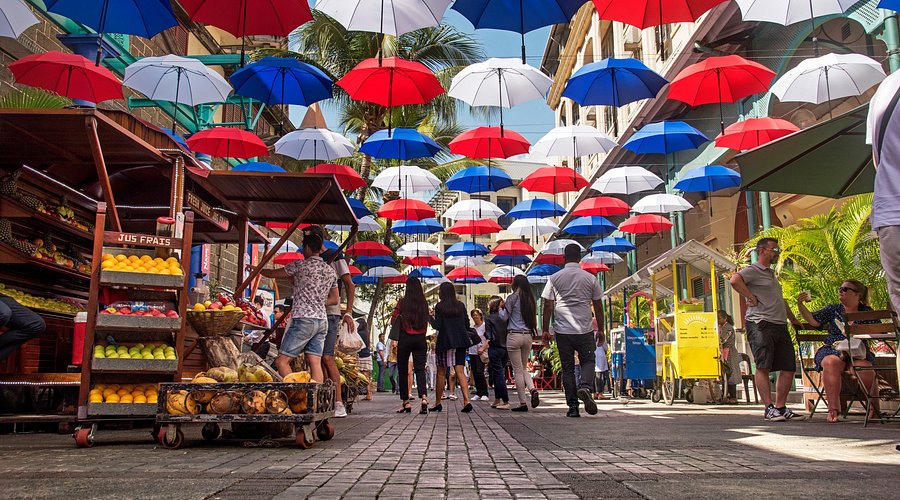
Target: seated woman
831,362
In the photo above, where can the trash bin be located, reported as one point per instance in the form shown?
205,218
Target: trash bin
78,338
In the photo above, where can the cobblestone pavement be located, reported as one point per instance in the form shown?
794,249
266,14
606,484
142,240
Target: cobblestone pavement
642,450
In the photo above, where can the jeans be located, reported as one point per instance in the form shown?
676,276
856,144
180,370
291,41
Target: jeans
601,381
23,325
392,375
476,371
584,345
381,369
499,357
518,345
416,346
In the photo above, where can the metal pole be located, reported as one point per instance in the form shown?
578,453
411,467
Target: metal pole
892,40
765,208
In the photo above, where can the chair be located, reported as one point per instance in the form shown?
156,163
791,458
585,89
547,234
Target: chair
886,386
807,345
747,378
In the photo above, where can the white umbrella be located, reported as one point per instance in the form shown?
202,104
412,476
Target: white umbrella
473,210
314,144
661,204
382,272
464,261
575,141
832,76
391,17
787,12
627,180
532,227
558,247
499,82
367,223
408,179
537,280
601,257
15,17
418,249
505,272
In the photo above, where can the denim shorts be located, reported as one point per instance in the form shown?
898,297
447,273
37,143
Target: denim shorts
334,322
304,335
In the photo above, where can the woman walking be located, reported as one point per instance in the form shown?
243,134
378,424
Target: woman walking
601,367
476,365
730,355
412,312
452,324
495,332
521,310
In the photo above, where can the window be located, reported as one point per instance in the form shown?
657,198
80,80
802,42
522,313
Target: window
664,41
506,204
697,287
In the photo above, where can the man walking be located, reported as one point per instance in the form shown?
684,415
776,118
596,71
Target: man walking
381,359
569,294
766,323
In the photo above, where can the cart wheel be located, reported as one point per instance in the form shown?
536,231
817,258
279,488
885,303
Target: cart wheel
656,395
171,441
84,437
211,431
668,382
302,441
325,431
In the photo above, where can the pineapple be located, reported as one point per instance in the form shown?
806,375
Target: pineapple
8,184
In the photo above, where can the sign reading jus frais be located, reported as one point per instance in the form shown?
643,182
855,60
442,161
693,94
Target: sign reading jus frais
148,240
206,210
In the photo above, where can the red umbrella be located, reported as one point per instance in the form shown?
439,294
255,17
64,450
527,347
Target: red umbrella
465,272
550,258
423,261
554,180
395,280
68,75
645,223
475,227
489,142
286,258
368,249
354,271
754,132
227,142
501,280
284,225
604,206
514,248
720,79
594,268
406,209
347,178
647,13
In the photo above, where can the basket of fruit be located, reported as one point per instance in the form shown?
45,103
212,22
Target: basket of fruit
210,322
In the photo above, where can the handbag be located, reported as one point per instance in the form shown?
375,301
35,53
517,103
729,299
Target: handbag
349,340
474,339
854,348
394,333
484,357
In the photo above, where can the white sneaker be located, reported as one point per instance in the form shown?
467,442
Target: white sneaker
339,410
504,406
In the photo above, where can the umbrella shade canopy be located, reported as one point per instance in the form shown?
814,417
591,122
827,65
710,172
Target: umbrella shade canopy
574,140
601,257
464,273
407,179
68,75
645,224
594,268
605,206
418,248
359,208
754,132
626,180
176,79
375,261
720,79
364,280
517,16
665,138
613,82
612,244
708,179
532,227
382,272
391,82
314,144
286,258
347,178
464,260
143,18
395,280
15,18
423,261
647,13
503,260
475,227
536,208
473,210
426,273
467,249
544,270
367,223
368,249
786,12
257,166
513,249
550,258
832,76
227,142
558,246
661,204
406,209
391,17
424,226
244,17
489,142
504,274
282,80
554,180
399,144
470,281
354,271
479,179
594,224
499,82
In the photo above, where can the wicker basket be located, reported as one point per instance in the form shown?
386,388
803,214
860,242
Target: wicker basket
213,323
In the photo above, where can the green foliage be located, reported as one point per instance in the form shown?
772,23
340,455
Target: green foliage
33,98
550,354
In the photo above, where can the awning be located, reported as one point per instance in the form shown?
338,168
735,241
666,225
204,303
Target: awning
829,159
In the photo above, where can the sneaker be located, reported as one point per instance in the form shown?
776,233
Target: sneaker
504,406
789,415
589,405
453,397
339,410
773,414
535,398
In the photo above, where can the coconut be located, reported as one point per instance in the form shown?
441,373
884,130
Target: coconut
276,402
222,374
224,402
203,397
254,402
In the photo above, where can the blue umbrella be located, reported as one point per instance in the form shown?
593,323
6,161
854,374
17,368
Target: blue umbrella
479,179
176,137
330,245
400,144
505,260
613,82
664,138
282,80
359,208
364,280
544,270
375,261
519,17
425,272
889,5
612,244
594,224
470,281
536,208
424,226
708,179
467,249
257,166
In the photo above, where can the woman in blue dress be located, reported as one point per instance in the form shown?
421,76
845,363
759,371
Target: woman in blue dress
831,362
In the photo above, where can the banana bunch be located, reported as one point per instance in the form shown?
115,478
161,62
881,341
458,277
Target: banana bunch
347,366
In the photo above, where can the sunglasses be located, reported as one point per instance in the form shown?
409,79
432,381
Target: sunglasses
775,250
845,289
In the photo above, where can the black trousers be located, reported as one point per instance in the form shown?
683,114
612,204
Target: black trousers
22,323
416,346
584,345
476,371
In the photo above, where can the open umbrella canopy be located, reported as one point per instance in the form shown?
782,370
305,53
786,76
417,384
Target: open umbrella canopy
787,12
466,249
424,226
532,227
359,208
423,261
645,224
479,179
375,261
172,78
391,82
754,132
554,180
354,271
720,79
69,75
15,18
282,80
228,142
504,274
245,17
406,209
399,144
536,208
613,82
499,82
626,180
593,224
601,257
594,268
503,260
464,260
708,179
368,249
286,258
473,210
606,206
462,273
573,140
382,272
406,179
830,77
558,246
664,138
417,249
544,270
143,18
364,280
257,166
347,178
367,223
550,258
314,144
425,273
647,13
513,248
489,142
475,227
391,17
612,244
661,204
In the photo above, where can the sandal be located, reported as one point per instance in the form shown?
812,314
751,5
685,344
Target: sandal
833,416
407,407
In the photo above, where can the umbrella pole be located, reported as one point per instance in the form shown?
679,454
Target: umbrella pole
177,90
243,33
522,27
500,99
284,110
390,101
381,36
828,90
721,111
100,32
812,31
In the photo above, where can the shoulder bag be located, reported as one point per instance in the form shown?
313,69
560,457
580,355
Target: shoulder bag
396,327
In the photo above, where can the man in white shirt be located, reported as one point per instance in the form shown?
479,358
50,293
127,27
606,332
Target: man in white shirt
381,359
570,293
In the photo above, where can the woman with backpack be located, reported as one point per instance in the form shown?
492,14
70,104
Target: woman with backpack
451,321
495,332
412,312
521,309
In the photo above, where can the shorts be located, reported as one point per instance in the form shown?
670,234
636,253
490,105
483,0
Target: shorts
451,357
364,364
304,335
334,322
773,349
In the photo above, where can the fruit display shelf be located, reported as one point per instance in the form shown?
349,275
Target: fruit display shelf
120,365
131,322
10,255
13,208
142,280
